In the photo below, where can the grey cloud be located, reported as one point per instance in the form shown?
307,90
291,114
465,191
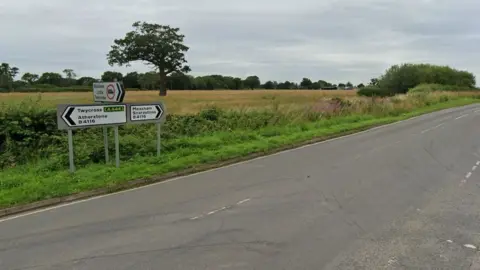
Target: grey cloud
336,40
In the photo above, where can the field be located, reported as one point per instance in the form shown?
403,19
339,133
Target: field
203,129
185,102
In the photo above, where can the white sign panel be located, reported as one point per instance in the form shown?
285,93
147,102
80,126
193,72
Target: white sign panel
145,112
108,92
80,116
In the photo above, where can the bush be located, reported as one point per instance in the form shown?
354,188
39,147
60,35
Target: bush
439,87
401,78
373,91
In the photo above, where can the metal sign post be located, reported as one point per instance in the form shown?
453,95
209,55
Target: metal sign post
70,151
158,138
105,143
117,147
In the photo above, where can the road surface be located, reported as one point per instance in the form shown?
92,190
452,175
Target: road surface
403,196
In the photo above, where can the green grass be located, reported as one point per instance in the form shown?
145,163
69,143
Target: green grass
33,182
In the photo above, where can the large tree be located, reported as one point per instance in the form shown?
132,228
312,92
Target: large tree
30,77
69,73
7,74
160,46
252,82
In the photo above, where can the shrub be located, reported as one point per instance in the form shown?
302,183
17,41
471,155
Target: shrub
373,91
401,78
439,87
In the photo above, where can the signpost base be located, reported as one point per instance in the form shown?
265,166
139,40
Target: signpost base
158,138
105,142
70,151
117,148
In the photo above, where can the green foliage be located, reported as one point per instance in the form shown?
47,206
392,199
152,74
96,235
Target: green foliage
306,83
401,78
252,82
110,76
439,87
158,45
48,88
374,91
51,78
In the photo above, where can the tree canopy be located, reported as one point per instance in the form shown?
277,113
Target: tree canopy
160,46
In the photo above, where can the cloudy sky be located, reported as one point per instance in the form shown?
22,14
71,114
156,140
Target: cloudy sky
334,40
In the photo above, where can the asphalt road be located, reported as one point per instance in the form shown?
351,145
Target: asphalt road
403,196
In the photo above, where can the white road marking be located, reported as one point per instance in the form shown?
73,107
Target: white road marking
470,246
392,261
461,116
478,163
477,111
46,209
426,130
194,218
244,201
474,168
212,212
429,129
468,175
449,241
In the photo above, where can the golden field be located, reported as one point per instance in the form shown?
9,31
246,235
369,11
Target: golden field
182,102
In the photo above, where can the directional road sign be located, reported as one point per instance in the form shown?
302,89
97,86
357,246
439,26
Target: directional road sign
146,113
73,116
108,92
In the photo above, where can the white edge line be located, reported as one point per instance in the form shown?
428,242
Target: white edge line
468,175
461,116
477,111
478,163
215,169
474,168
244,201
470,246
194,218
212,212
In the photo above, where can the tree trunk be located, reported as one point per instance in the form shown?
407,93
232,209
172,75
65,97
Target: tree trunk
163,83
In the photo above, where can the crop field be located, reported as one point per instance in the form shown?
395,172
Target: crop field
186,102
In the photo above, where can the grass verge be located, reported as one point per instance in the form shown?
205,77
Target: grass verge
30,183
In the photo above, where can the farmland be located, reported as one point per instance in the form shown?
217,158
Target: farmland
186,102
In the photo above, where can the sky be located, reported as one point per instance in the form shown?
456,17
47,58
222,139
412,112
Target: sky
332,40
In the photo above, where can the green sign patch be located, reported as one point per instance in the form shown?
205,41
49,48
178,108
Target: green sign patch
114,109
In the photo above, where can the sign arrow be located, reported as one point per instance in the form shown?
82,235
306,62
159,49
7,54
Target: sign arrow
67,116
160,112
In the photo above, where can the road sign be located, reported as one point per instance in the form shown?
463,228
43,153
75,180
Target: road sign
108,92
73,116
146,113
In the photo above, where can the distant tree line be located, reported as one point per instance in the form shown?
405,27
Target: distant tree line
151,81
